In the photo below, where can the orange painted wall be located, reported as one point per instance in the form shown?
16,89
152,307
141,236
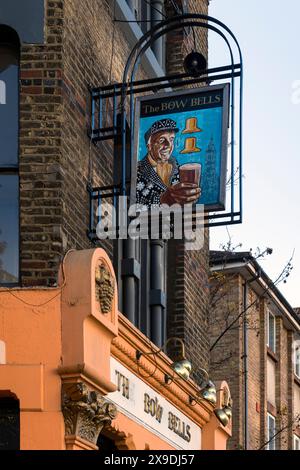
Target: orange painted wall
32,335
36,323
142,439
30,326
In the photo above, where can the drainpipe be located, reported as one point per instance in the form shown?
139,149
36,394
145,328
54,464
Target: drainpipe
245,363
131,273
156,17
245,357
157,295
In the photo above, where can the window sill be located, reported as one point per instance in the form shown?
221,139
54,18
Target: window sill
271,354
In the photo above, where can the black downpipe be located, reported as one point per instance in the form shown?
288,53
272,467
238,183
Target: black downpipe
245,363
157,295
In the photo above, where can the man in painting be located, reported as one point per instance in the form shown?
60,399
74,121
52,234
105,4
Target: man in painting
158,174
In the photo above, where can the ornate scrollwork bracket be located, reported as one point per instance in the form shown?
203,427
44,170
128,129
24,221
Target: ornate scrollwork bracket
85,411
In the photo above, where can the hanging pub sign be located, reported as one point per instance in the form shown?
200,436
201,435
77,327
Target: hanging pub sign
180,148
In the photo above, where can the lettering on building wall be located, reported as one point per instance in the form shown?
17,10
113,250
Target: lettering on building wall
178,426
152,407
122,384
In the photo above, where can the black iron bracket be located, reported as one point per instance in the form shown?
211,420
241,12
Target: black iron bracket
119,99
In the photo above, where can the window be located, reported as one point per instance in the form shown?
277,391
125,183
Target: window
9,424
106,444
296,442
271,432
297,360
141,10
271,332
9,179
136,8
148,14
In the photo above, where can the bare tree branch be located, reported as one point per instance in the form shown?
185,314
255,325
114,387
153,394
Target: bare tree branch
281,278
290,424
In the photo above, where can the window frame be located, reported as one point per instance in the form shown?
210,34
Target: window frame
13,169
10,412
296,439
297,361
271,445
271,346
141,12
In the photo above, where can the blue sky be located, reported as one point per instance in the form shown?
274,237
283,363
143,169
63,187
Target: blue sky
268,33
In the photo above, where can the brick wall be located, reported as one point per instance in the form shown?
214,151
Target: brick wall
54,147
181,42
263,374
227,361
54,115
225,305
41,173
290,386
56,155
282,385
254,373
188,295
87,59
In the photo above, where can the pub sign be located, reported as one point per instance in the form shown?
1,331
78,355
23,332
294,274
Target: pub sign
180,148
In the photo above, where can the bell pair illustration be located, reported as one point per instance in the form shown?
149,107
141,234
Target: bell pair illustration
191,127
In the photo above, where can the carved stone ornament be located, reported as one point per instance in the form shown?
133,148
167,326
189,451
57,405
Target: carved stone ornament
85,412
105,288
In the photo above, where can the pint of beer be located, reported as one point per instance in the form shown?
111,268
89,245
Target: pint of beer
190,173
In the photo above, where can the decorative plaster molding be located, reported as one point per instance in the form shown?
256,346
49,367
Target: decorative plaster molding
83,373
105,288
88,324
85,411
122,440
77,443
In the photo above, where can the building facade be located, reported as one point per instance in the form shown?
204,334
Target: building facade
258,353
53,373
75,374
45,177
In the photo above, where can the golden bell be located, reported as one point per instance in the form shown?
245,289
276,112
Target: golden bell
191,126
209,395
222,416
182,368
228,411
190,146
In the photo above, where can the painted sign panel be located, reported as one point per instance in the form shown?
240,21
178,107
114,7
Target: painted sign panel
142,404
180,148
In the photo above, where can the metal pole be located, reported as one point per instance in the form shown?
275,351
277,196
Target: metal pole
245,361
